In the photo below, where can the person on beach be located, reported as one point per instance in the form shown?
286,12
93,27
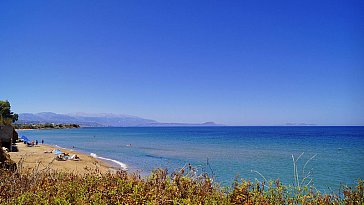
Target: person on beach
36,142
42,141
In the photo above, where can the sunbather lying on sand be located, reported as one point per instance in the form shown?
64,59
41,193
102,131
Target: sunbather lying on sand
74,157
65,156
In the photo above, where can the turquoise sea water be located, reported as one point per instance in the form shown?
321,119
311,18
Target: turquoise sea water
231,151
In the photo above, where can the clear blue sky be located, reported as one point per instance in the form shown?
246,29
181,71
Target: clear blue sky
234,62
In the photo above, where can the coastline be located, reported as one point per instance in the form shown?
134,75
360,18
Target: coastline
38,157
23,129
26,129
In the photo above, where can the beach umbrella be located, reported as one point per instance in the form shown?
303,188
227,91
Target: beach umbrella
25,139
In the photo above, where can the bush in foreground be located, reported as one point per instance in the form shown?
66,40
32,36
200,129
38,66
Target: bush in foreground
160,187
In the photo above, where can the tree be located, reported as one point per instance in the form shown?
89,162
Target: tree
6,116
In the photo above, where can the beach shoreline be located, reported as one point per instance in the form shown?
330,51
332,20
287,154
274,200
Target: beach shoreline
23,129
41,157
27,129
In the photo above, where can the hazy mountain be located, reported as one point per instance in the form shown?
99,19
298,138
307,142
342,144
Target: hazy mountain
97,120
299,124
45,117
111,120
85,119
173,124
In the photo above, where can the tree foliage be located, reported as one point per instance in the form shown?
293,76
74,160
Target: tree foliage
6,116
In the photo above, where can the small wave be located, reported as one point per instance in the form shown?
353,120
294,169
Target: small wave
59,147
152,156
122,165
93,155
153,148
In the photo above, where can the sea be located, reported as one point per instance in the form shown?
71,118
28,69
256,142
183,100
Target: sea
329,157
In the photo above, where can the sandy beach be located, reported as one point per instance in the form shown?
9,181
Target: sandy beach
29,158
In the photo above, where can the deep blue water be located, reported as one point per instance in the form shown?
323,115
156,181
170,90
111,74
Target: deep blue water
231,151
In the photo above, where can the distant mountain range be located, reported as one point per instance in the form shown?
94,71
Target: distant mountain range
97,120
299,124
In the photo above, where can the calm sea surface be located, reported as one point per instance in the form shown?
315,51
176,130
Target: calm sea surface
230,151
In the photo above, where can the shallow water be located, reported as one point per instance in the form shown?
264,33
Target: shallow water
230,151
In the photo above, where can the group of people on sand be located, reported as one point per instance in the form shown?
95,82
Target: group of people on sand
33,143
66,156
61,156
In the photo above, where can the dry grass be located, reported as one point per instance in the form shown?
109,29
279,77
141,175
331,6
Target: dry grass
161,187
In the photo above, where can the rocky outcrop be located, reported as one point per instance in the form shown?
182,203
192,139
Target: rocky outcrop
15,135
8,135
5,161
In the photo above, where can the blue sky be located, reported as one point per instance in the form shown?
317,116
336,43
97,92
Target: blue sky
232,62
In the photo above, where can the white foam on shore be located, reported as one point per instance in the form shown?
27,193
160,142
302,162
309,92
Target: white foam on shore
60,147
122,165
